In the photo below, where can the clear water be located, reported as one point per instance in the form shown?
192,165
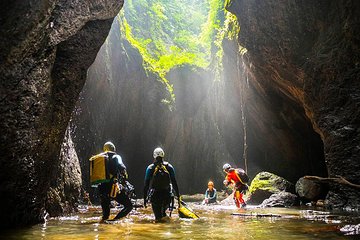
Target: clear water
216,222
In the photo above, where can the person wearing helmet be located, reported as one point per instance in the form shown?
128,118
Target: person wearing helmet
159,184
110,190
210,194
237,178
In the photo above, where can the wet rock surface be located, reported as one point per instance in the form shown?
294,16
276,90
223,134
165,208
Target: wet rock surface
265,184
351,230
310,190
65,189
281,199
45,50
303,68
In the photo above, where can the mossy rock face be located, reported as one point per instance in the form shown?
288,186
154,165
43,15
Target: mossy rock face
265,184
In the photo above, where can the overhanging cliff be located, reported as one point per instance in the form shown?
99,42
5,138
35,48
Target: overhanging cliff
46,48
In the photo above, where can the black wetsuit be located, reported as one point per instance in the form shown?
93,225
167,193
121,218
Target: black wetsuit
118,170
160,198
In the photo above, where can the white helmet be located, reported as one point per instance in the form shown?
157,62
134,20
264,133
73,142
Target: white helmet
158,152
109,146
226,167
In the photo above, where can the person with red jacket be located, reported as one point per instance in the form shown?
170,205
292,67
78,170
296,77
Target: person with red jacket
238,178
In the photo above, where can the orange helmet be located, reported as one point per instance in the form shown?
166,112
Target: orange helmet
210,183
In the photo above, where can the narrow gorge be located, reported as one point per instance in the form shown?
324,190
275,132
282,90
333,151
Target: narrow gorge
264,85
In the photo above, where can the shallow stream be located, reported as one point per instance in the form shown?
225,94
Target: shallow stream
216,222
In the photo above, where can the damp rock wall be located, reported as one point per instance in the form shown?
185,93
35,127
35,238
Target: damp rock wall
46,48
303,63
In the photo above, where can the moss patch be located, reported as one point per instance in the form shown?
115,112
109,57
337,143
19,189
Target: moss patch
264,184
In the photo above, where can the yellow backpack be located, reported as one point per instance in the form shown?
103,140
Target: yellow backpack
98,169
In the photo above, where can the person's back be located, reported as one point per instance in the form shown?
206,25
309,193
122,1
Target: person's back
237,178
109,190
161,176
159,182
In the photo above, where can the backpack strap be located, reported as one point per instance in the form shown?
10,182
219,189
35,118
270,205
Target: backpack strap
161,166
237,175
111,166
107,162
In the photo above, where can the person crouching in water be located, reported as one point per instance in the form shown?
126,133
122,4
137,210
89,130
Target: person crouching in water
110,189
238,178
159,183
210,194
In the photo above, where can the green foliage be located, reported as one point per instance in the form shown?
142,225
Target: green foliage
230,29
173,33
212,24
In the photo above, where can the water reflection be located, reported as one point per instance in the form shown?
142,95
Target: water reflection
43,230
216,222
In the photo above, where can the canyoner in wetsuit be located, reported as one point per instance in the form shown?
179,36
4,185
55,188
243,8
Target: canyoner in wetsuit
160,185
114,184
238,178
210,194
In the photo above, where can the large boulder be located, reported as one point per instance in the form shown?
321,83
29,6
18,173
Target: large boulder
281,199
309,190
265,184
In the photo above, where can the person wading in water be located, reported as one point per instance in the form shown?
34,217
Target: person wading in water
160,182
108,173
238,178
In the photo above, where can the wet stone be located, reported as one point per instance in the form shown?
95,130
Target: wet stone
351,229
309,190
265,184
281,199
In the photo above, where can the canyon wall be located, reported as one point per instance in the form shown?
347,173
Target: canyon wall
46,48
303,63
294,94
